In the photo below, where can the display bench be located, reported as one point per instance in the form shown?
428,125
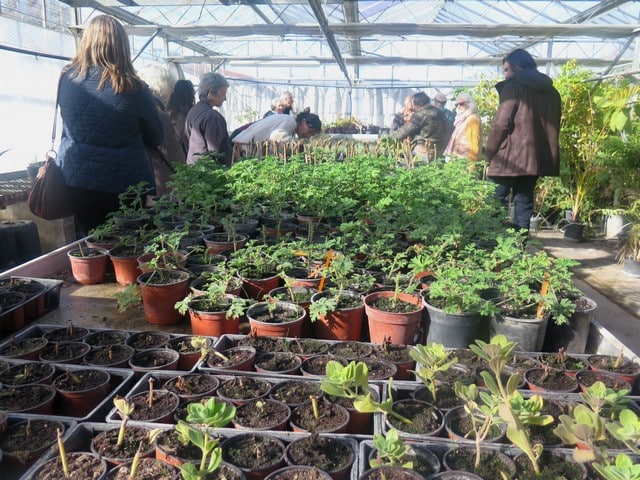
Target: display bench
94,305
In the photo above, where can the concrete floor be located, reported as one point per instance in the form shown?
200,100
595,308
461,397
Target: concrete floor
616,323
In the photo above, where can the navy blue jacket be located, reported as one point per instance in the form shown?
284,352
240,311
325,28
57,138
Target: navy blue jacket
105,136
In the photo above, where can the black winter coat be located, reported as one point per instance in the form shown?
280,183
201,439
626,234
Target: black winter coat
105,136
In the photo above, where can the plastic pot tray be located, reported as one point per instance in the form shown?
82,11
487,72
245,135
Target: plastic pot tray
228,341
14,418
78,439
51,294
121,380
38,330
160,377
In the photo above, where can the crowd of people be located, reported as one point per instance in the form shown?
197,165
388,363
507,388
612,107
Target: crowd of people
122,127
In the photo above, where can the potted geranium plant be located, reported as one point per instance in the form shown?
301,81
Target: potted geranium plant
215,312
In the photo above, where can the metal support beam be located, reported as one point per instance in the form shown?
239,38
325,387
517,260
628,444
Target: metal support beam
146,44
443,61
328,35
129,18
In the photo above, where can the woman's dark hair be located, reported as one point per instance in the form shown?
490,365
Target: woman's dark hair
520,58
182,97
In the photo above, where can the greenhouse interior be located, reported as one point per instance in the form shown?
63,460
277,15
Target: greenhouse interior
377,239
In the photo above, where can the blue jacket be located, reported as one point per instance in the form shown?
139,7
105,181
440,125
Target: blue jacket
105,136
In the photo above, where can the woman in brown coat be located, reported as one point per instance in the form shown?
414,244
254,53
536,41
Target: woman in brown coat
523,143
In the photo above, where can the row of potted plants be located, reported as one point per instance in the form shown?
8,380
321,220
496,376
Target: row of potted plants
502,397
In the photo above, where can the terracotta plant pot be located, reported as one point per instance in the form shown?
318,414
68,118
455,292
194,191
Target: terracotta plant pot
104,444
240,358
278,363
155,359
212,322
218,243
148,340
80,391
88,265
257,288
33,398
189,355
159,299
241,450
312,451
343,323
395,327
241,389
23,442
79,463
333,418
283,321
125,264
115,356
24,348
262,414
192,386
64,352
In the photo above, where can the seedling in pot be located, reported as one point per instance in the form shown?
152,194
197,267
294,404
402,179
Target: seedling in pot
211,414
352,381
627,429
125,409
586,426
483,417
135,463
431,358
203,344
390,450
624,468
516,411
63,454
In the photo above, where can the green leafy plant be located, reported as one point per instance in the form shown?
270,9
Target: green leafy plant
627,429
430,360
483,415
132,200
209,415
215,297
624,468
516,411
390,450
352,381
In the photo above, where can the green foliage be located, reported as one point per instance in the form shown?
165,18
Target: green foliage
430,360
390,450
350,381
627,429
132,200
590,117
211,414
125,409
127,298
624,468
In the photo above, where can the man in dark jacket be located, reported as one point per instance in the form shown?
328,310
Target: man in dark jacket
427,127
523,143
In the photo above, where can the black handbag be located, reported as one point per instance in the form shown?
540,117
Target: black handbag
49,197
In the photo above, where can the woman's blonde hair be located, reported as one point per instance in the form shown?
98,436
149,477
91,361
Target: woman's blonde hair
105,44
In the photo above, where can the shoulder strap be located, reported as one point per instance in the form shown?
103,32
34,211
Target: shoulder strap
55,111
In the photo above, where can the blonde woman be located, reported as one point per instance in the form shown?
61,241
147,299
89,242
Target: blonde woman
109,120
467,127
